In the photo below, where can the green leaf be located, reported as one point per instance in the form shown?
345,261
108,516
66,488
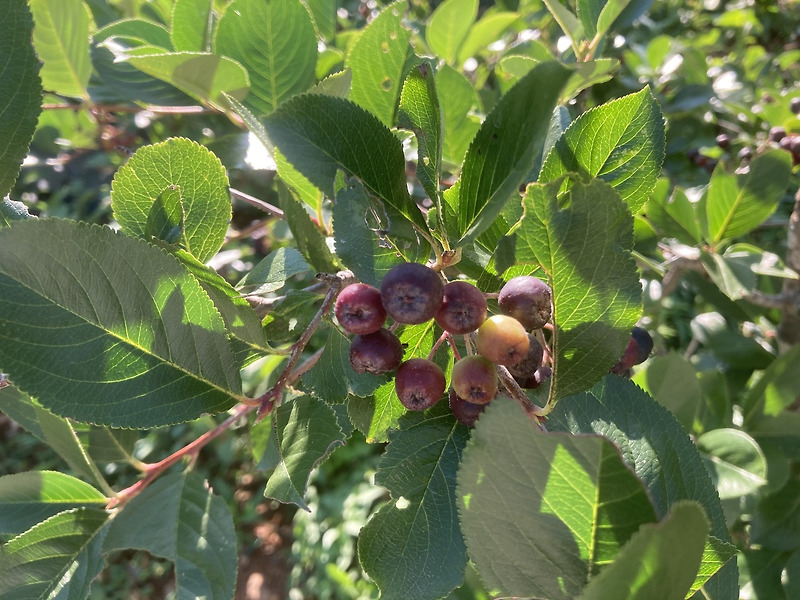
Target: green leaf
620,142
178,517
588,12
716,555
192,24
304,433
202,76
357,244
505,148
109,445
655,446
241,321
320,135
333,378
112,319
306,191
276,43
672,381
165,220
61,39
737,204
734,460
583,242
378,63
122,82
56,558
20,98
776,390
674,216
324,14
203,185
412,547
561,506
54,431
272,271
420,112
456,98
775,523
510,69
609,13
448,27
11,210
290,316
489,29
568,22
309,238
732,275
28,498
659,563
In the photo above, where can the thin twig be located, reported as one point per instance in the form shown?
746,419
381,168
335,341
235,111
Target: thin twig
258,203
512,387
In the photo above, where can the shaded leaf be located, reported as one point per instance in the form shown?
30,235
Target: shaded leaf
660,561
320,135
203,187
655,446
20,99
276,43
735,462
489,29
505,148
672,381
304,433
202,76
109,318
583,242
357,244
56,432
456,98
582,503
200,537
412,547
272,271
31,497
309,238
61,554
11,210
165,220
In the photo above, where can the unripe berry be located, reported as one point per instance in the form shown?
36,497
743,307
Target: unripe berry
474,379
502,339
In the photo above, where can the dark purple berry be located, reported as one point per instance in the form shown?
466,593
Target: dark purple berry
465,412
359,310
463,308
645,344
786,143
794,105
531,361
376,353
776,134
412,293
723,141
527,299
745,153
502,339
419,383
474,379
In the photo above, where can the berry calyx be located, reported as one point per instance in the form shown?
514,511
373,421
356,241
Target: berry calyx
376,353
419,383
463,308
527,299
474,379
503,340
359,309
412,293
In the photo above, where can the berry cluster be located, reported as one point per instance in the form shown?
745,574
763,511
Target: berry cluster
411,293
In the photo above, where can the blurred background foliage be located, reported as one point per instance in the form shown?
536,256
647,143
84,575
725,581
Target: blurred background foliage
724,73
